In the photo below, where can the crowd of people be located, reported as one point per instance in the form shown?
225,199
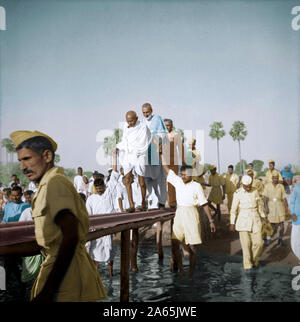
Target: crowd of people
151,169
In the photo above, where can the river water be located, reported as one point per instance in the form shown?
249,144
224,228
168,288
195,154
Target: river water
217,278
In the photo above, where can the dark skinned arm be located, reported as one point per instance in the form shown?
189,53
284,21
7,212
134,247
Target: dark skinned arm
68,224
24,249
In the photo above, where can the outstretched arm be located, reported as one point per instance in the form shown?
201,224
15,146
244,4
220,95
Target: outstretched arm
115,160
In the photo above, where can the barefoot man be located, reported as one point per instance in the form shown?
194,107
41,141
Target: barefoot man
133,154
186,227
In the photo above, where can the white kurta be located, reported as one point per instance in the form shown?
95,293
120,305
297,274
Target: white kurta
136,193
26,215
134,147
78,181
32,186
122,194
101,249
112,186
187,220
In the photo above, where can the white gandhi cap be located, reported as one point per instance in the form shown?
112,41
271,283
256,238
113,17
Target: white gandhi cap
246,180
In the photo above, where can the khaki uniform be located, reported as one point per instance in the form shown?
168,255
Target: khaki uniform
246,213
255,175
82,282
276,195
269,175
231,180
216,195
258,185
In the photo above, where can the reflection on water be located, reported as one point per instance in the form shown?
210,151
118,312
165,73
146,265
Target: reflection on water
217,278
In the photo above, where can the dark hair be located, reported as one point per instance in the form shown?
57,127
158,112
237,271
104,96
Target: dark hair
250,164
185,167
38,144
14,175
8,190
17,188
79,168
99,182
168,120
28,193
230,166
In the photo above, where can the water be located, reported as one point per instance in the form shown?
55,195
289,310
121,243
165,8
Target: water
217,278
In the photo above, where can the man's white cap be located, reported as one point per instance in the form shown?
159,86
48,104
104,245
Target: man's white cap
246,180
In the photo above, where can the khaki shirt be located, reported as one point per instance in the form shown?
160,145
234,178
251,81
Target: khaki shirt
231,180
258,185
269,175
82,282
247,210
276,196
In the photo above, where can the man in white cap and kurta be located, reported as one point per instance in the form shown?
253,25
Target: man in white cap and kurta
246,216
61,223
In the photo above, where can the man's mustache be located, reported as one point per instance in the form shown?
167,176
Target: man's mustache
26,171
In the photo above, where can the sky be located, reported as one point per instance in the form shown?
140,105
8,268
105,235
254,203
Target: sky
72,69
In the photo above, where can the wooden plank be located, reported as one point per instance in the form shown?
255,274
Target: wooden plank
125,259
134,243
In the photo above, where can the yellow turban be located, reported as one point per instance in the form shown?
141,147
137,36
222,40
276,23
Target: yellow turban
212,167
271,161
249,172
20,136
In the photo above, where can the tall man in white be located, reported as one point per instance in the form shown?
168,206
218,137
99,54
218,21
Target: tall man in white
78,180
155,175
133,154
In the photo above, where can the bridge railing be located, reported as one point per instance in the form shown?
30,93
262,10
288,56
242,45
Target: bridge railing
22,233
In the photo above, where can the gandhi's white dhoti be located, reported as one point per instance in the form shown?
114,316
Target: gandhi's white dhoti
134,147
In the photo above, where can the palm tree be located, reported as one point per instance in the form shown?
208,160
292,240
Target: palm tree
110,142
217,132
9,147
239,133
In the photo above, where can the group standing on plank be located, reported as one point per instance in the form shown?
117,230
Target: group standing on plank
151,169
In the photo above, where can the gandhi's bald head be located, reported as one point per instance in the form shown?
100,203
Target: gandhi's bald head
131,118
